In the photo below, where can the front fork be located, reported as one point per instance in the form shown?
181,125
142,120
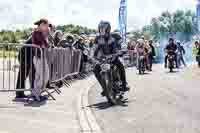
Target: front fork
105,80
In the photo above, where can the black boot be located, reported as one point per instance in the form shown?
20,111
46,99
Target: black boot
20,95
125,87
103,93
165,65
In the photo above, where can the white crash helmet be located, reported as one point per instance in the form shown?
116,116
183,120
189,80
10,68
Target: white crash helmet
178,41
141,41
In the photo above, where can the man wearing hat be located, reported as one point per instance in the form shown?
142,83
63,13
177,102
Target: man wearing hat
40,35
39,38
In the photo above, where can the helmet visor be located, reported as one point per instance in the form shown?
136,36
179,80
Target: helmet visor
102,31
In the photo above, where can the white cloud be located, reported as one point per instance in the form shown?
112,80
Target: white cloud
19,13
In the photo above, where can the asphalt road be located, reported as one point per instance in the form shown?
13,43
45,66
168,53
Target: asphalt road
159,102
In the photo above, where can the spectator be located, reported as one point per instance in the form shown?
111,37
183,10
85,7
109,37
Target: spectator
146,53
39,38
57,37
81,46
67,42
196,52
52,29
92,47
132,53
152,54
118,40
25,59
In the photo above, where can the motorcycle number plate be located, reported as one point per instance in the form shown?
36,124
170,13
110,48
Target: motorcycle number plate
105,67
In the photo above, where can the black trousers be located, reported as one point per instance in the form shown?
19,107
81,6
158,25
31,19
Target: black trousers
198,60
25,59
150,60
117,62
181,60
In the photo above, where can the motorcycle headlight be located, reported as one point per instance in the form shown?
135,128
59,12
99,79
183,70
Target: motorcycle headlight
85,52
105,67
170,57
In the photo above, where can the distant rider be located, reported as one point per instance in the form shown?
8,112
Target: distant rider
171,48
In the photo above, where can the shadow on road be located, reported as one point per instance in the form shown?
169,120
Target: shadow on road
28,103
35,104
168,72
101,106
106,105
146,73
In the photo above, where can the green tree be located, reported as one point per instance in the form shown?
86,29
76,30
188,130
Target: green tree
13,38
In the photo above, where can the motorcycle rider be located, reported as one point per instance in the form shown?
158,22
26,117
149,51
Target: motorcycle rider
171,47
106,46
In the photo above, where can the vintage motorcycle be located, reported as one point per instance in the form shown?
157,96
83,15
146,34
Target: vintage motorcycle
110,74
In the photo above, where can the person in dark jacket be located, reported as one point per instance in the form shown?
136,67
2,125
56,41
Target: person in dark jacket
151,55
80,45
197,54
67,42
57,38
25,59
181,52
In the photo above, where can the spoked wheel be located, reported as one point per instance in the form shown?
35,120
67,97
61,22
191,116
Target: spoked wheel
110,94
171,66
111,97
171,69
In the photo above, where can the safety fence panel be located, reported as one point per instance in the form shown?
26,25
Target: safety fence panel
18,64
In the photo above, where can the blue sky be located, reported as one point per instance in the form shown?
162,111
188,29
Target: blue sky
22,13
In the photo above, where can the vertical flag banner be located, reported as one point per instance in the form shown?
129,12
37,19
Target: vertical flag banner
123,19
198,14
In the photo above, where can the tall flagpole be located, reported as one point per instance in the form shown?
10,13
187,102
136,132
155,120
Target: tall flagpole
123,20
198,15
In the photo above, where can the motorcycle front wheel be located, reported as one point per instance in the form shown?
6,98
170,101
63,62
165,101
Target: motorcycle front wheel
110,94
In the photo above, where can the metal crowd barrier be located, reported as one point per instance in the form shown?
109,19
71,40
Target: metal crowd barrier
17,68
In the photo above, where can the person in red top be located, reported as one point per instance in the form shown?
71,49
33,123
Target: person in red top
40,38
26,55
40,35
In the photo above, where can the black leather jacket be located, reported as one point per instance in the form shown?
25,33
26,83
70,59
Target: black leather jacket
171,47
105,46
